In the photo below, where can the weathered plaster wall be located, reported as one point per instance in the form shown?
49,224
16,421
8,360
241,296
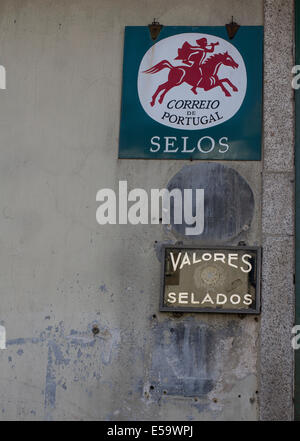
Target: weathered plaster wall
61,273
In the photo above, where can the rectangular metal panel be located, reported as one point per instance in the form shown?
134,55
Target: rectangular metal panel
297,208
211,279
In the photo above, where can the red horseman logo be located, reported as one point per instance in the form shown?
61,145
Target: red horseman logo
200,72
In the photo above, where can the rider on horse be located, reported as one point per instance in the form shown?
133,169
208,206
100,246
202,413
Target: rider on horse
190,54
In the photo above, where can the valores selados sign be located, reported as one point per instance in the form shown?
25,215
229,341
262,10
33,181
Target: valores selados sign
192,94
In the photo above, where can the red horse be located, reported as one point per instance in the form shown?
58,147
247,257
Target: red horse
204,76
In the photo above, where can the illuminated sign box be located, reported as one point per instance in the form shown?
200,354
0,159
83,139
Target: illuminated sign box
211,279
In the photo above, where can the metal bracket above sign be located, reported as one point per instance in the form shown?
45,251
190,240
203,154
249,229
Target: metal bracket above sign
211,279
232,28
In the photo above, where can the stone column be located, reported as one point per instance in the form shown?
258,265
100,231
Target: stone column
278,298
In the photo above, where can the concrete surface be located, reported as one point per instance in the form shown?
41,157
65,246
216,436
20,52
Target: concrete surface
62,273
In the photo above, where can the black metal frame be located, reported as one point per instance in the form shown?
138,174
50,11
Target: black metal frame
188,309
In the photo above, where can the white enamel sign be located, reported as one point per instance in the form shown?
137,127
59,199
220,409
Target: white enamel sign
192,81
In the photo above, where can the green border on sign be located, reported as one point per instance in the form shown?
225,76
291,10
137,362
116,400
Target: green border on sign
243,129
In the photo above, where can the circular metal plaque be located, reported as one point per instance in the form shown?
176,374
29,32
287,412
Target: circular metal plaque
228,200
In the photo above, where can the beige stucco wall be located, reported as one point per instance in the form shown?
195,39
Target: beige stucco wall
61,272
